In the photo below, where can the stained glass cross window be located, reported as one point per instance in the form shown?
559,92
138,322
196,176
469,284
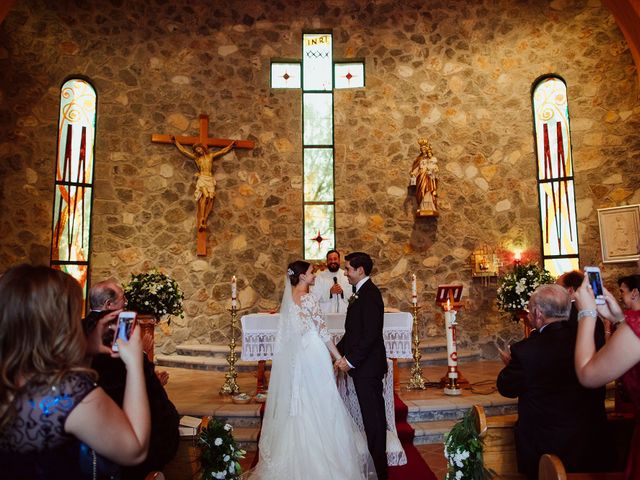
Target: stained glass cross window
318,75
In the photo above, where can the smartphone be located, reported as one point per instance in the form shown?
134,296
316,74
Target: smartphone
595,280
124,327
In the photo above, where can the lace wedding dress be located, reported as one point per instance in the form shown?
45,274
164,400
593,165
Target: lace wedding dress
307,432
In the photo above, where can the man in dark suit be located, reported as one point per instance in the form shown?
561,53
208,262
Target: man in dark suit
555,413
364,356
107,299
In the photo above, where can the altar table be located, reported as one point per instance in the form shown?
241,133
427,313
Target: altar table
259,334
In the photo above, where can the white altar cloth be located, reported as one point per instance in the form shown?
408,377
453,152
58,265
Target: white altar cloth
259,334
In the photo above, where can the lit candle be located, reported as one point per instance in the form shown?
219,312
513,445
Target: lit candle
414,289
517,257
448,304
234,303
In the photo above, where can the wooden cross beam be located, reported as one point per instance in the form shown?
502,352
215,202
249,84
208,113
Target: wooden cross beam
205,188
202,138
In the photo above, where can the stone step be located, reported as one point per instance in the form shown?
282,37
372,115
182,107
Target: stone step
437,410
214,357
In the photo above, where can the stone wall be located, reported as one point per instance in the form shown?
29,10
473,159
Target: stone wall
457,72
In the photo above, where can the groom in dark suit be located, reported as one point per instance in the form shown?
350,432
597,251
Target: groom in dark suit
364,356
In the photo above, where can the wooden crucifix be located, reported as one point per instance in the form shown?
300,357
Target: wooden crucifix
206,184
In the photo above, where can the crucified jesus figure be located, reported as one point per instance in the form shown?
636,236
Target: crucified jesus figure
206,183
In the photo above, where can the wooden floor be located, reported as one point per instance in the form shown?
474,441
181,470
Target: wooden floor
196,393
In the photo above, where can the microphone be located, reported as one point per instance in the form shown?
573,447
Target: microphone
335,282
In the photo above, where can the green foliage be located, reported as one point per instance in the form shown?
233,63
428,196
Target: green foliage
219,453
463,451
517,286
154,293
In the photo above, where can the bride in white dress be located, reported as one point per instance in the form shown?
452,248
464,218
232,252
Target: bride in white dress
307,432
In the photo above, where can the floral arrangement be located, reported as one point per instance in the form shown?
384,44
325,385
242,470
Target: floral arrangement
463,451
154,293
219,452
516,287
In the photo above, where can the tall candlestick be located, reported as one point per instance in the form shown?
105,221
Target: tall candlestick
234,302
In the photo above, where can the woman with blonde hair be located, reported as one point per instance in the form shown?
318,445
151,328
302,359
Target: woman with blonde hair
49,404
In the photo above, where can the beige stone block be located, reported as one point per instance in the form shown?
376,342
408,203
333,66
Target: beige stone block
584,208
128,218
399,268
264,226
581,124
200,265
405,71
31,175
397,191
620,194
612,179
239,243
166,170
178,121
376,222
130,256
514,157
225,50
181,80
246,190
593,139
610,117
461,253
431,262
470,172
503,205
455,168
588,160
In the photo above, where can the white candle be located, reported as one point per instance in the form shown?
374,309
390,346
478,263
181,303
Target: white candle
452,350
448,304
414,289
234,303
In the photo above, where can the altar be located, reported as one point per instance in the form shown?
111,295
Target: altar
259,335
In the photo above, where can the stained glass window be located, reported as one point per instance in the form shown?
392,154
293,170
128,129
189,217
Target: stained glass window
285,75
349,75
73,190
318,72
558,220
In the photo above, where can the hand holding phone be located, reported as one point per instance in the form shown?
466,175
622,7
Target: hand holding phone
595,281
126,324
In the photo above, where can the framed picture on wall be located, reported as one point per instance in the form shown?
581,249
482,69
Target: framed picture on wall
620,233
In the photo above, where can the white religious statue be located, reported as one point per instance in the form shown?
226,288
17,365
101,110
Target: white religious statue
424,175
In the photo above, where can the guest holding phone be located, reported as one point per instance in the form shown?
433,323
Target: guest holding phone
49,402
619,357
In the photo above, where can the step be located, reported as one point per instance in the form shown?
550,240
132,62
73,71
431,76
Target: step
200,362
439,409
214,357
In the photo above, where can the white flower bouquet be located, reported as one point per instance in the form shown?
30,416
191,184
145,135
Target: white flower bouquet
154,293
463,451
516,287
219,452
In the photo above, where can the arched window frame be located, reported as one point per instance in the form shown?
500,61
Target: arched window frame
73,179
556,192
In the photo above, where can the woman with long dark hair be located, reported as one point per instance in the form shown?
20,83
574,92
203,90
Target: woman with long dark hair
50,406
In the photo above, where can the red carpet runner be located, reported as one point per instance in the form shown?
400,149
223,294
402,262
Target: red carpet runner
416,468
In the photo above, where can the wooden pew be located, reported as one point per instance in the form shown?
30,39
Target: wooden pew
499,452
551,468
